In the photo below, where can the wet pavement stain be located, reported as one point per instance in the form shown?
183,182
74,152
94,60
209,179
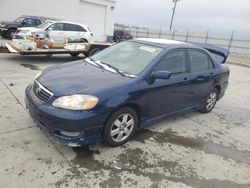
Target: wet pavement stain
30,66
170,136
134,161
203,183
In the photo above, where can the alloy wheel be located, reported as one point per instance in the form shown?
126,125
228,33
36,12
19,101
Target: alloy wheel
122,127
211,101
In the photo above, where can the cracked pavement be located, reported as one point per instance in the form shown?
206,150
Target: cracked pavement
182,151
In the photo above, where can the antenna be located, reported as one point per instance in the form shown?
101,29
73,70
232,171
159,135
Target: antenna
172,18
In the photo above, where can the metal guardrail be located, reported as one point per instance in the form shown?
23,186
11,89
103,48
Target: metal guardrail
237,43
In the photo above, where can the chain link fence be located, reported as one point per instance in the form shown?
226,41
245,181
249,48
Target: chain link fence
237,43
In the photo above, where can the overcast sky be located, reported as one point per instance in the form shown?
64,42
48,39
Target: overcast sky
199,15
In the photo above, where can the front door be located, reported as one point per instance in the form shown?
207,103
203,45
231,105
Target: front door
56,32
171,95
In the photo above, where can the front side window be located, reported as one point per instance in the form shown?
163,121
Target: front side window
174,62
29,21
129,57
199,61
56,27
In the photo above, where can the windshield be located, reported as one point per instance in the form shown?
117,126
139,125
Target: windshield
128,57
44,25
19,20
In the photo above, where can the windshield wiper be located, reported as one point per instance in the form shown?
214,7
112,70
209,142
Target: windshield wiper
94,62
110,67
114,68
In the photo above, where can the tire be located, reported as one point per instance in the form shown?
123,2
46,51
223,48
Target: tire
210,102
74,54
93,51
10,33
118,40
120,127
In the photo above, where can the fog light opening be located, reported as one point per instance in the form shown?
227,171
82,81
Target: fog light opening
70,134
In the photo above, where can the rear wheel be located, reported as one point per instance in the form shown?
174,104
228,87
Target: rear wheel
211,101
118,39
74,54
120,127
10,33
93,51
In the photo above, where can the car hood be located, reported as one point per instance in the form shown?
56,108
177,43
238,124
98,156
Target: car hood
8,23
80,77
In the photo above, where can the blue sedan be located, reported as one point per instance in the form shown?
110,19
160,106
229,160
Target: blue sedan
128,86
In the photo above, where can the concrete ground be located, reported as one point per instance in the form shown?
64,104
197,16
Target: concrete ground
189,150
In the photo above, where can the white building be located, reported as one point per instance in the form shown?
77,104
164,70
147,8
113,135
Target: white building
98,14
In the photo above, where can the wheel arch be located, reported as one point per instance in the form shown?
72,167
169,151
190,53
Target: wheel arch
218,87
133,106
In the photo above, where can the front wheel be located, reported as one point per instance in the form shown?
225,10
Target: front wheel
120,127
211,101
10,33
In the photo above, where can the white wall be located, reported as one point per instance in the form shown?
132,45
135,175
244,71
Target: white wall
62,9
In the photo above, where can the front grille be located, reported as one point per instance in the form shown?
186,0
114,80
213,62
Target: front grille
41,92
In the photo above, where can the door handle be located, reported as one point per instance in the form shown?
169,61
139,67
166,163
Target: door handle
185,79
200,78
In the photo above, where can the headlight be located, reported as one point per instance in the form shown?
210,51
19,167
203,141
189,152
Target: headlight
2,25
38,74
76,102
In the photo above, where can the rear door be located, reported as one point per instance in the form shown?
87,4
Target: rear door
201,76
167,96
74,32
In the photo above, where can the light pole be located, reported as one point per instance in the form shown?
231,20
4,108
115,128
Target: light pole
172,19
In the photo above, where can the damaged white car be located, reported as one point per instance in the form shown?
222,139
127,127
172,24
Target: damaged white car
58,31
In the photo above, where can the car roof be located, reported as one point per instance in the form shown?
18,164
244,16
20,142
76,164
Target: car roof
44,18
64,21
165,43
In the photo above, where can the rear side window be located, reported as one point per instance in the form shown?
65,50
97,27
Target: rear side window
72,27
199,61
175,62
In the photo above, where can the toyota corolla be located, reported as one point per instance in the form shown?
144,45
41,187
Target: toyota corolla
128,86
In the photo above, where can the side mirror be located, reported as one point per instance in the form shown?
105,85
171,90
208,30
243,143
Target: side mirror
164,75
50,29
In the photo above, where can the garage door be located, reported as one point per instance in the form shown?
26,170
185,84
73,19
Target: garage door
93,15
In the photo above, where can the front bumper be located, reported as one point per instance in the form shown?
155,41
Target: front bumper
55,122
3,31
